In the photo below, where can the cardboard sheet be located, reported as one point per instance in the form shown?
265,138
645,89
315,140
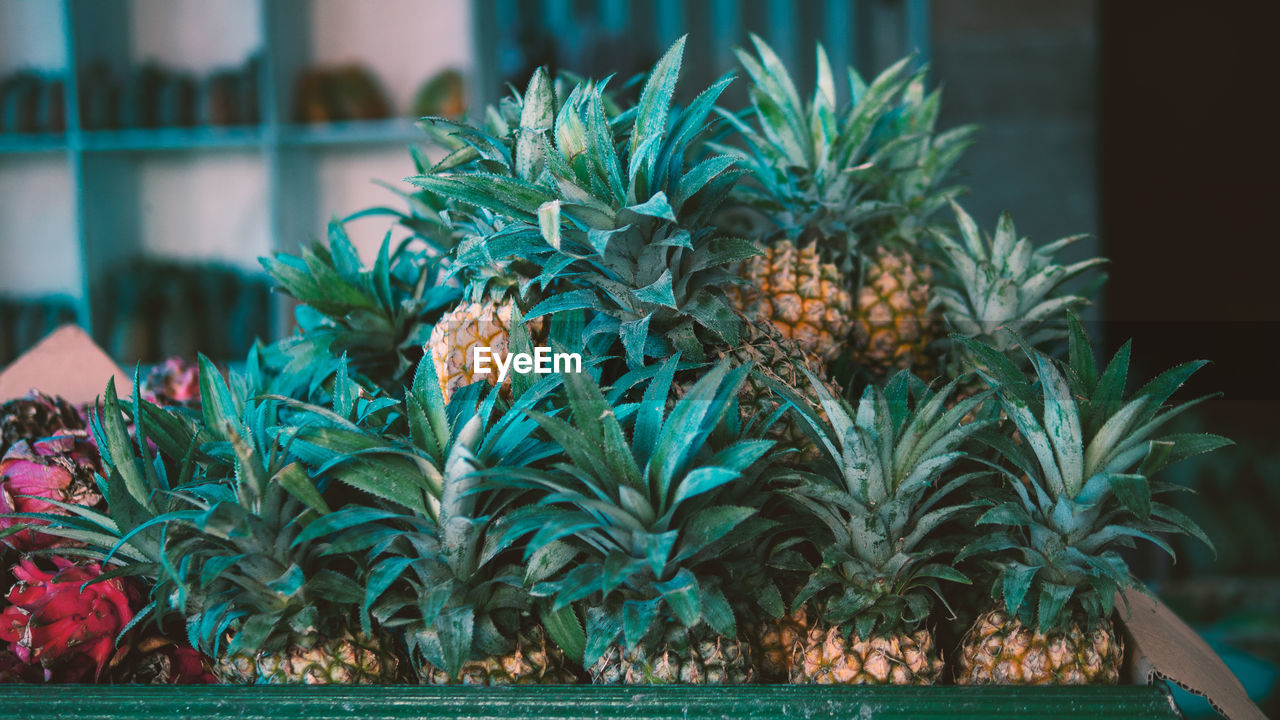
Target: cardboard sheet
67,363
1165,647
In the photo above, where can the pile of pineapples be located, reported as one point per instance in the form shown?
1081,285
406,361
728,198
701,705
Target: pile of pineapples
819,413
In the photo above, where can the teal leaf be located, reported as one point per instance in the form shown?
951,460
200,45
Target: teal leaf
637,617
565,630
1017,581
1133,491
659,291
681,593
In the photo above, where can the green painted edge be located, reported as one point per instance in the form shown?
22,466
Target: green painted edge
93,702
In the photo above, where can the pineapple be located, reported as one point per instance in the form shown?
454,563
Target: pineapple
611,213
263,595
803,297
493,284
616,217
882,494
775,361
1081,486
855,188
346,659
459,332
678,659
773,642
462,609
532,660
895,323
655,503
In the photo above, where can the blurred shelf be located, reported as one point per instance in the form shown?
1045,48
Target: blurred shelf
32,143
176,138
361,132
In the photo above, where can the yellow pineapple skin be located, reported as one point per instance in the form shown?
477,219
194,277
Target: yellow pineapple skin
773,644
712,661
893,325
345,660
999,650
533,661
803,297
468,326
236,670
828,657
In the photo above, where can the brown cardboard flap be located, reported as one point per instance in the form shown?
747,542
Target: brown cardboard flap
1166,647
66,363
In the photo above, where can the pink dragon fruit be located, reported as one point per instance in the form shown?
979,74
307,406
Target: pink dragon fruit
57,468
58,623
173,382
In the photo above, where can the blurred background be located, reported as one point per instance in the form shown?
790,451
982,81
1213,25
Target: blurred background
152,150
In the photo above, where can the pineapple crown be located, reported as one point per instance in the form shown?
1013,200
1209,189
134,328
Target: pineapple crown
378,317
438,573
612,210
655,500
999,289
875,168
1080,483
884,490
236,550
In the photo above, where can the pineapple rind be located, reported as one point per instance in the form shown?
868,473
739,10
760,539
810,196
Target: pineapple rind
828,657
774,359
894,324
712,661
772,643
801,296
533,661
1000,650
453,339
336,661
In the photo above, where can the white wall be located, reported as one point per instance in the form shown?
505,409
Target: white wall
346,186
195,35
402,41
31,36
205,206
37,231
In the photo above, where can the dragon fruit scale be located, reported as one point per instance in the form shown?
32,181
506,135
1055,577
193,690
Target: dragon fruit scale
57,468
175,382
159,660
36,416
56,622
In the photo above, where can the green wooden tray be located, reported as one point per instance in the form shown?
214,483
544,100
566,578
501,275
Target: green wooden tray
93,702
